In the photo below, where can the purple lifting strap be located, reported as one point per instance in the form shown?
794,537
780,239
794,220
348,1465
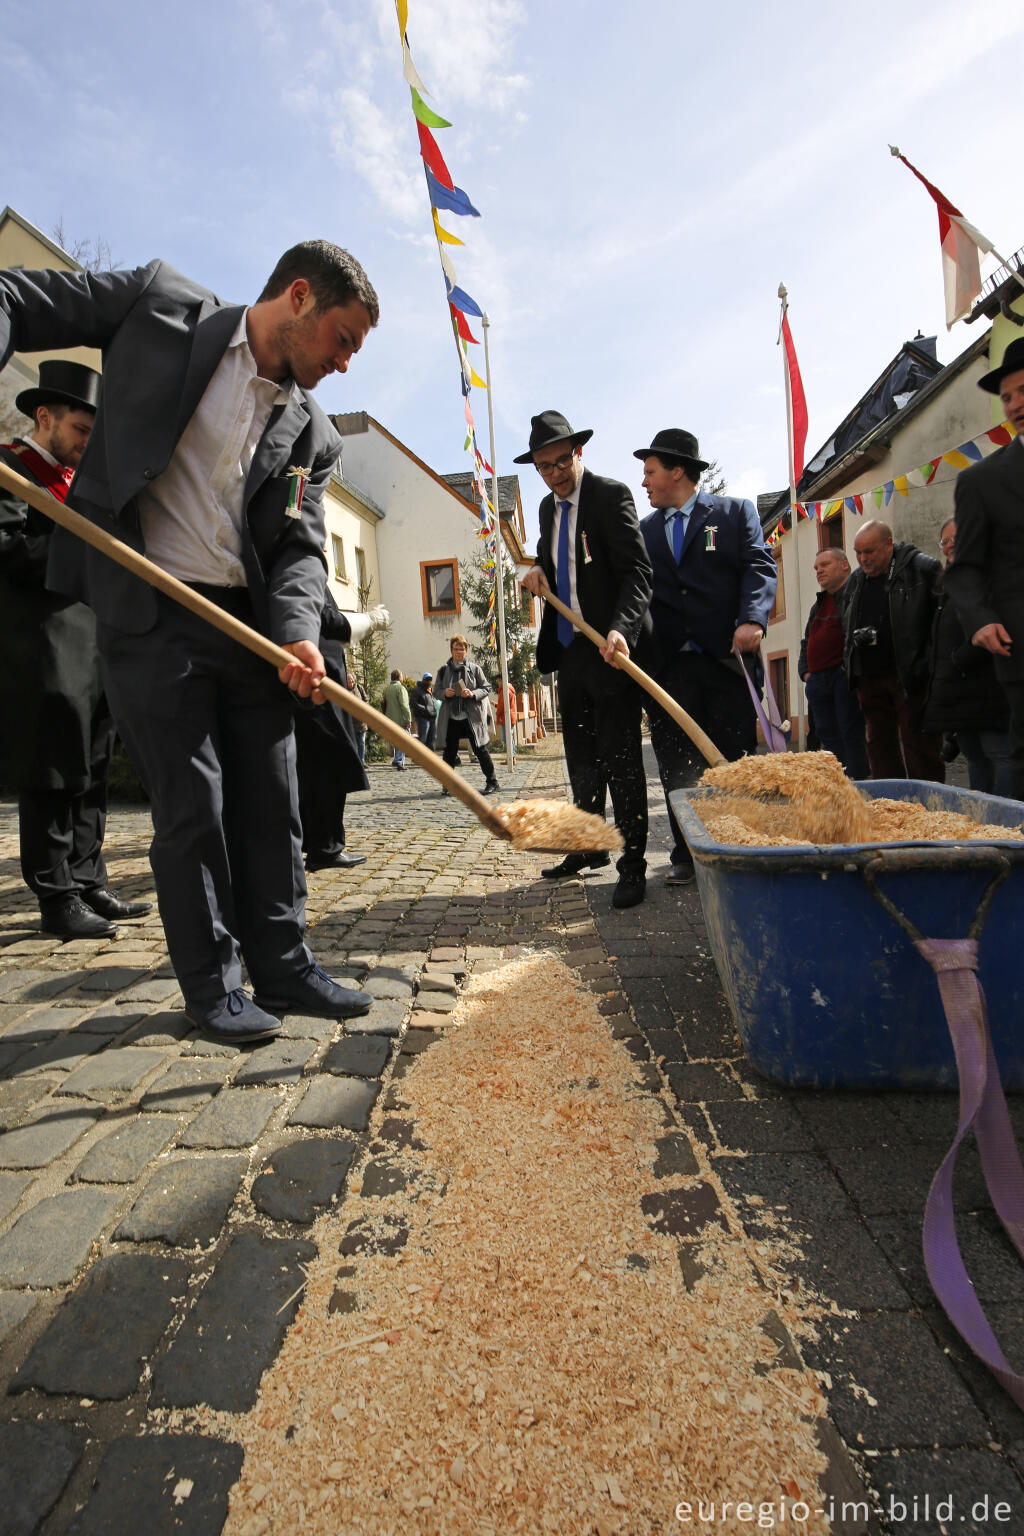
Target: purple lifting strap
770,721
983,1106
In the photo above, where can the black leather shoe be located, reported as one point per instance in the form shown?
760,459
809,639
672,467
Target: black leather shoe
70,918
629,890
235,1019
110,906
680,874
492,787
573,863
340,860
313,992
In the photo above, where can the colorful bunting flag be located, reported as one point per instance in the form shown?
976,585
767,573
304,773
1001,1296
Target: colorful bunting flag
433,157
423,113
455,201
459,299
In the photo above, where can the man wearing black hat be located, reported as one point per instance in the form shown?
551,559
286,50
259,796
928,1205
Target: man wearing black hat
57,729
591,555
986,580
714,585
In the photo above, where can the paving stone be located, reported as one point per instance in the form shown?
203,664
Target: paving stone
15,1306
185,1202
185,1085
114,1073
236,1327
379,984
36,1461
358,1056
438,981
415,1040
302,1026
383,1177
112,978
61,1053
301,1178
769,1126
120,1157
110,1021
39,1141
700,1084
19,1096
144,1476
12,1187
384,1018
235,1118
344,1102
400,1134
151,991
385,1234
100,1338
684,1212
163,1028
428,1003
282,1061
675,1156
51,1241
972,1491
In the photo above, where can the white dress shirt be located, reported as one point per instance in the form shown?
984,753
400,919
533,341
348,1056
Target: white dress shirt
574,501
191,515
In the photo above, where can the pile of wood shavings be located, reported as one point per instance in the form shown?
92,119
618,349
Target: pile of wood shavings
807,797
531,1360
895,821
554,824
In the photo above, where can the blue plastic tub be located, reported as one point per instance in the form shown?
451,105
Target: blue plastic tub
827,990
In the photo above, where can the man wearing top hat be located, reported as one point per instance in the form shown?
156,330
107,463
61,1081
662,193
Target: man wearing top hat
57,732
714,585
986,580
591,555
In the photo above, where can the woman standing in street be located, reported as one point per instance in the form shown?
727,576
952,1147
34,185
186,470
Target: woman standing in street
463,691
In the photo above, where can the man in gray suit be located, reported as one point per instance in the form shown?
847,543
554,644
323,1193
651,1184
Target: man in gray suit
209,455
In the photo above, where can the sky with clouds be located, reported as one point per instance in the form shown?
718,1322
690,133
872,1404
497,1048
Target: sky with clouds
645,174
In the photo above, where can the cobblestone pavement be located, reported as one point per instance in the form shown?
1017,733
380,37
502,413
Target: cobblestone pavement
157,1190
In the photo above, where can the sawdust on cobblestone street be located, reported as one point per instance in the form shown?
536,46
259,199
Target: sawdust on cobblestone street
531,1360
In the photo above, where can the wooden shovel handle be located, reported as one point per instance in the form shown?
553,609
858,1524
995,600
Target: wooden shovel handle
705,746
124,555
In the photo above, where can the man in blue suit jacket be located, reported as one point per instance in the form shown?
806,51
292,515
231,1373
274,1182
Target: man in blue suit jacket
714,585
209,454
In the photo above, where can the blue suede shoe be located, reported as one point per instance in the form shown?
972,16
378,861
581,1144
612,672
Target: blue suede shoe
314,993
234,1019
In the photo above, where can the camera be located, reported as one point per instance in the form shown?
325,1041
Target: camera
866,636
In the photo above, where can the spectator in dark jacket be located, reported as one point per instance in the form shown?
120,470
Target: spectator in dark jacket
424,713
964,694
837,717
887,625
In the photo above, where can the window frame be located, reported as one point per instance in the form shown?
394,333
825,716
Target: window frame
431,565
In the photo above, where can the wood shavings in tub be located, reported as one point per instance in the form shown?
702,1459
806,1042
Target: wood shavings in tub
531,1360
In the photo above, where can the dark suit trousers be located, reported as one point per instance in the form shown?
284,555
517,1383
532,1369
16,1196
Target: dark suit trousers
61,832
321,802
601,730
897,748
1014,691
717,698
209,729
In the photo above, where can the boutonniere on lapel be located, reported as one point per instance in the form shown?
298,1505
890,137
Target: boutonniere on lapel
587,556
709,536
297,478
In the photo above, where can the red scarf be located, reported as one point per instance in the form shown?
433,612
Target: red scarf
55,477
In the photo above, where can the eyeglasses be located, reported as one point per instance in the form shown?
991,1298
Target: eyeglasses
946,545
554,466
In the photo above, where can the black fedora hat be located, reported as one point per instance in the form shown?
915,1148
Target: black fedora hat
551,427
1013,362
673,443
62,383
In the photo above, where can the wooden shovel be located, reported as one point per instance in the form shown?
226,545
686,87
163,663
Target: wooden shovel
124,555
705,746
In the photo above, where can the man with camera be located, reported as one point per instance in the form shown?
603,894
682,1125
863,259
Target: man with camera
887,621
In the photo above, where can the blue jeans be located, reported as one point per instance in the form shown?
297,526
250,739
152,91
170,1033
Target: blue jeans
838,720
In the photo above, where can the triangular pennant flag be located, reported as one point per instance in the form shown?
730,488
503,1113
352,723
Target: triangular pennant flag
468,410
971,451
877,494
412,79
900,483
476,380
888,489
455,201
445,237
460,299
998,435
848,503
927,471
423,113
402,6
433,157
956,458
447,267
858,502
463,327
915,477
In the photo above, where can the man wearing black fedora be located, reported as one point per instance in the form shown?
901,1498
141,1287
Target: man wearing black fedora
57,729
986,580
714,585
591,555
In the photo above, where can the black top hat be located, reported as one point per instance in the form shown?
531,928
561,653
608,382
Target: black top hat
1013,362
673,443
551,427
62,383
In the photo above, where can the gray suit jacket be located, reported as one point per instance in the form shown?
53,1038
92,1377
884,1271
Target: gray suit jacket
162,336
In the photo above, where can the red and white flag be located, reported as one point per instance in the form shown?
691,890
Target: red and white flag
797,405
962,245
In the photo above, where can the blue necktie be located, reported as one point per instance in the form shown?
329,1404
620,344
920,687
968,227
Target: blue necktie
678,531
565,629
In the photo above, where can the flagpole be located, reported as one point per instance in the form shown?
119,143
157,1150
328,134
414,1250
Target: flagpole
499,570
797,684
